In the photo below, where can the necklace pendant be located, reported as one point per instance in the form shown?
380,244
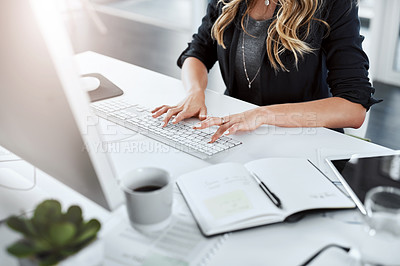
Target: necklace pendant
249,86
266,2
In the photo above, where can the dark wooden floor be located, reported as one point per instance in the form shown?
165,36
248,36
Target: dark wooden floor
157,49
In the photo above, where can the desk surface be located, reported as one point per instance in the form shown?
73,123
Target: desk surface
260,246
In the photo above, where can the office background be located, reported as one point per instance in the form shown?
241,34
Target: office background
152,34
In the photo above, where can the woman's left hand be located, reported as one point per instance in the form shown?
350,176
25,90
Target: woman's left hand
246,121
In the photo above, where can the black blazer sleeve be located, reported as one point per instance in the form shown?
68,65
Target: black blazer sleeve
202,46
346,61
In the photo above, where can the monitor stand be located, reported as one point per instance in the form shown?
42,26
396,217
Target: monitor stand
14,199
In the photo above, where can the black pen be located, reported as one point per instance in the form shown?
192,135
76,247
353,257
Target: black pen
275,200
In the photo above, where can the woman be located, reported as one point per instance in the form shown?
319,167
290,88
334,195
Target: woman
300,60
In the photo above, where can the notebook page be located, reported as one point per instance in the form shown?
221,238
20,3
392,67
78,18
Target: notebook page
298,184
224,194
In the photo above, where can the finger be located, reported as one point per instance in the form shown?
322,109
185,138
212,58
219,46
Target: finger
158,108
179,117
205,123
161,111
211,121
203,113
220,132
170,113
235,128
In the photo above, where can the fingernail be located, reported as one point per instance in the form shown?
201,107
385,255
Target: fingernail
197,125
226,132
174,120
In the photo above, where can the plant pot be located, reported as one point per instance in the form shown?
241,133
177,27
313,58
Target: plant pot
28,262
92,255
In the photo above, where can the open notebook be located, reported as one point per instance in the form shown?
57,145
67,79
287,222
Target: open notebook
226,197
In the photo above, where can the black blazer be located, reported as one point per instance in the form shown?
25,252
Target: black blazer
337,67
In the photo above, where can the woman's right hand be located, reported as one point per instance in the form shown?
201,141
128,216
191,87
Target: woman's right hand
192,106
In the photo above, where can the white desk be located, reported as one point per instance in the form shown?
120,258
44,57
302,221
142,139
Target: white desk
282,244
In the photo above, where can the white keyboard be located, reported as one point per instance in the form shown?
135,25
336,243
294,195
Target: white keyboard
181,136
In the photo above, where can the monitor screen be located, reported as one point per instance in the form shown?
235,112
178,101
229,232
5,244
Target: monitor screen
43,109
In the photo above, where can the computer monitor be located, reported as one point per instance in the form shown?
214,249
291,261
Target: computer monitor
44,111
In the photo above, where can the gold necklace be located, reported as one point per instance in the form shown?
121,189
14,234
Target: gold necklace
244,60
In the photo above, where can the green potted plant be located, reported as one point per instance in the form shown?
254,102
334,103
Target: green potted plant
51,235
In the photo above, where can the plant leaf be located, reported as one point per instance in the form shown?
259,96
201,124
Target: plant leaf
89,230
22,249
21,225
67,253
61,233
47,212
42,245
74,215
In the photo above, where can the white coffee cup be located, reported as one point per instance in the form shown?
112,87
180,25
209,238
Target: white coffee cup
148,193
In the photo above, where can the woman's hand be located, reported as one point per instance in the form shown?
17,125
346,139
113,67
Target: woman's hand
246,121
193,105
194,79
334,112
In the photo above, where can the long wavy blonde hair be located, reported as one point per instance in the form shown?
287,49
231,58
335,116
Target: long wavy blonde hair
283,32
